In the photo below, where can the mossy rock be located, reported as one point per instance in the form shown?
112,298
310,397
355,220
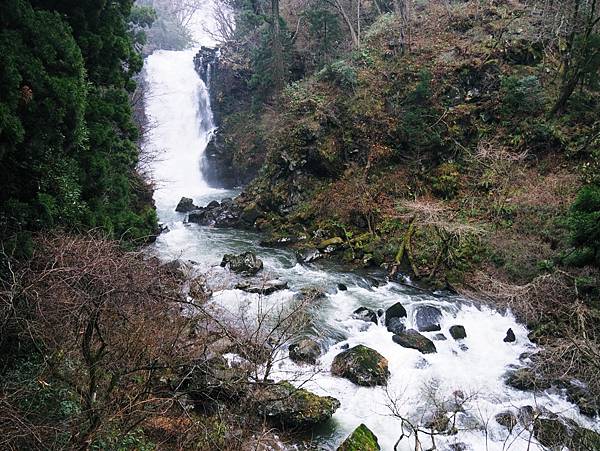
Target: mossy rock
550,433
294,407
335,242
527,380
585,440
361,365
362,439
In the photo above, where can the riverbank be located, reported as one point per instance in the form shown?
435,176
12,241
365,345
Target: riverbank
439,162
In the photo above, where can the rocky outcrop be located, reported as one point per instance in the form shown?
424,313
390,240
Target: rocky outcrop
185,205
226,75
362,439
361,365
305,351
245,264
414,340
288,406
217,215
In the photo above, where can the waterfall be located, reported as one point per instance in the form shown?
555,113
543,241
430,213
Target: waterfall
178,106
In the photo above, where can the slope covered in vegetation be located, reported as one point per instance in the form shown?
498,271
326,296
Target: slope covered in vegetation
457,142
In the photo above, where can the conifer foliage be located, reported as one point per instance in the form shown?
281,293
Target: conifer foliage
67,139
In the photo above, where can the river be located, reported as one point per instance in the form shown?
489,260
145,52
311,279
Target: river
179,107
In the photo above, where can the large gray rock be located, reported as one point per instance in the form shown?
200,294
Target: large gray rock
289,406
246,264
305,351
309,255
395,325
507,419
395,311
213,380
365,314
264,288
414,340
185,205
361,365
428,319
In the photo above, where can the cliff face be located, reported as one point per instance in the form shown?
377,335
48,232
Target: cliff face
233,156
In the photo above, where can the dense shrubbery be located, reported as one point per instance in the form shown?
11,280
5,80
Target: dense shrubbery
68,154
585,226
522,95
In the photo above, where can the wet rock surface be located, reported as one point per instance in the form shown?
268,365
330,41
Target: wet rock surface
185,205
305,351
361,365
365,314
245,264
288,406
458,332
265,287
395,311
412,339
428,319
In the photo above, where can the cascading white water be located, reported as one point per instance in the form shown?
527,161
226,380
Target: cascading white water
178,104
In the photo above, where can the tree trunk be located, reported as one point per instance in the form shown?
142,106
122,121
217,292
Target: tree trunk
277,48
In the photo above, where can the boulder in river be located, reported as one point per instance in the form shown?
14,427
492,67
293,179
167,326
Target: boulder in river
185,205
395,325
305,351
216,215
526,379
294,407
428,319
395,311
439,337
362,439
507,419
308,255
412,339
581,395
365,314
550,433
262,287
458,332
214,379
361,365
246,264
510,336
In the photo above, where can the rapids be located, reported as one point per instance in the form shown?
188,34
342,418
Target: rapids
178,105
